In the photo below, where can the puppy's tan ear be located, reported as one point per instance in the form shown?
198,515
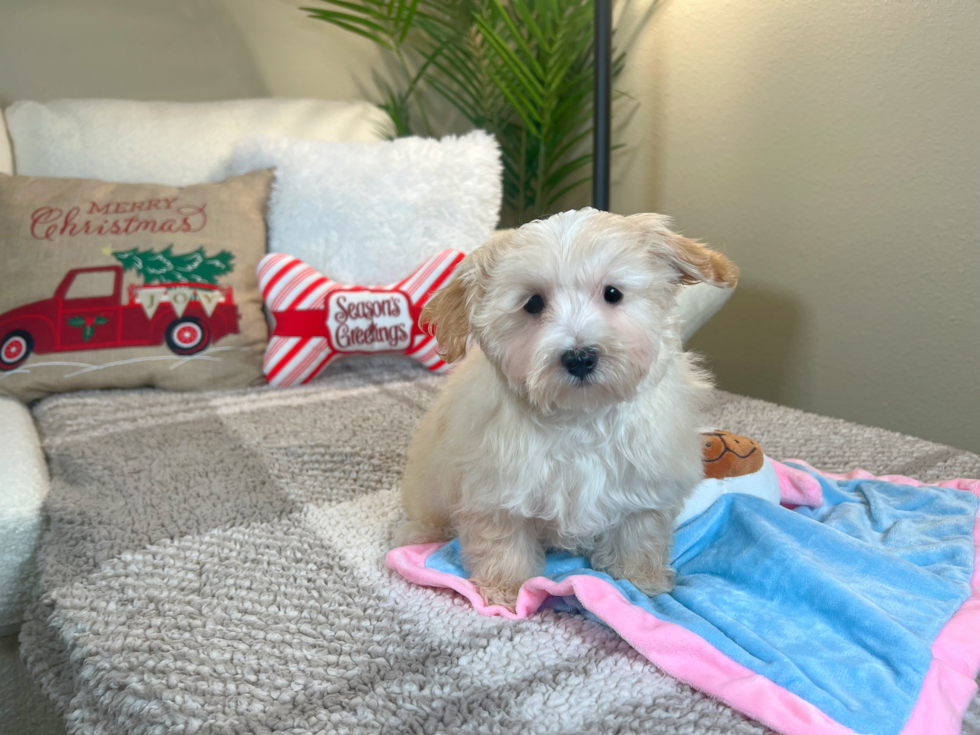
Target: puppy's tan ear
695,262
447,315
699,264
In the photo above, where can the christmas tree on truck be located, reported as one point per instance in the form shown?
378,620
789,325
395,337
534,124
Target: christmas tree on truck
166,267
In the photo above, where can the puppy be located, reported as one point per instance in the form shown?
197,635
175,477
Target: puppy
572,421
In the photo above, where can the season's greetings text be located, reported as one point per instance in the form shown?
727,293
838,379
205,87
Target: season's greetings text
369,321
110,218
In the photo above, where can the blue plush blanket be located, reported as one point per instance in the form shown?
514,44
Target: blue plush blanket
834,614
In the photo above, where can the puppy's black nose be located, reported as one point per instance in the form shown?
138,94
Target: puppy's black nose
580,362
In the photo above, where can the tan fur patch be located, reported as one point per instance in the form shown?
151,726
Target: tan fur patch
446,318
701,264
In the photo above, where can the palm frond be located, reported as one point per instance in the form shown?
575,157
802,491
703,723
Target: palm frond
520,69
354,23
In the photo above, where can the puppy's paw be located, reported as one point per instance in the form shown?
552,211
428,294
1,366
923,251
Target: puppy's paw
497,593
650,580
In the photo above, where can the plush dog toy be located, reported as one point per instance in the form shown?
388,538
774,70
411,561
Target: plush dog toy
732,464
317,320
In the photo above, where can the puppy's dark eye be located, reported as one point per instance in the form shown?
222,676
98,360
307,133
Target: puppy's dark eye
534,305
612,295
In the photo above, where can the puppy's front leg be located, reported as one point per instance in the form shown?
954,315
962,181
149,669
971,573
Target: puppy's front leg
638,549
502,552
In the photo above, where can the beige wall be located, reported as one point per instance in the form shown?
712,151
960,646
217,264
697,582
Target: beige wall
831,148
186,50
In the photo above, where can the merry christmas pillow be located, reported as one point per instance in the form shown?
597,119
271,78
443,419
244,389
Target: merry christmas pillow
124,285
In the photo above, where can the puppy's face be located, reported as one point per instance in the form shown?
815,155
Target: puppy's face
572,310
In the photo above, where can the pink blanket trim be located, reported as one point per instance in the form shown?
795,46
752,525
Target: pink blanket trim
948,687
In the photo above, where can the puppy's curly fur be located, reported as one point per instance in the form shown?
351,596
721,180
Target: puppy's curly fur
525,449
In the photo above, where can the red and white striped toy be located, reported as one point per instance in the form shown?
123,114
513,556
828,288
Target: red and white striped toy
318,320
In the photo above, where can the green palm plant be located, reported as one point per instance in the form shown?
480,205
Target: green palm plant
520,69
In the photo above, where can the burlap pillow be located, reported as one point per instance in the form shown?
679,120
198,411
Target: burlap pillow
123,285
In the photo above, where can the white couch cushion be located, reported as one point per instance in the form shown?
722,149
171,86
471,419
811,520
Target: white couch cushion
171,143
697,304
6,158
23,488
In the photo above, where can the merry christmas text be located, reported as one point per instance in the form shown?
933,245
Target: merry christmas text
49,223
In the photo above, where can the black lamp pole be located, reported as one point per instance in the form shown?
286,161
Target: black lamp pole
602,105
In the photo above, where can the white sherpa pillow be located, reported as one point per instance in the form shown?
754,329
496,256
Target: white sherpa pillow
369,213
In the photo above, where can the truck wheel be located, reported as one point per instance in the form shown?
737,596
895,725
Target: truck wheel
188,336
14,349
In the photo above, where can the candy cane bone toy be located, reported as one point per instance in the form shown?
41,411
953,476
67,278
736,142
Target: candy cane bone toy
317,320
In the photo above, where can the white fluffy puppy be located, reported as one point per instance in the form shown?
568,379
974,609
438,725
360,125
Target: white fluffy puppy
573,420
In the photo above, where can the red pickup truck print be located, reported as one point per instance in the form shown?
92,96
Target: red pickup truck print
87,312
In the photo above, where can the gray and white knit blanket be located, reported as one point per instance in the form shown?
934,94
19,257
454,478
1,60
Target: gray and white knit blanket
215,564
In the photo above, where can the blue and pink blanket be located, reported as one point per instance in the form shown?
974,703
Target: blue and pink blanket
852,607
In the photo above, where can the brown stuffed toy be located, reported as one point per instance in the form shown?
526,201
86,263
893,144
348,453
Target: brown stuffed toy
729,455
